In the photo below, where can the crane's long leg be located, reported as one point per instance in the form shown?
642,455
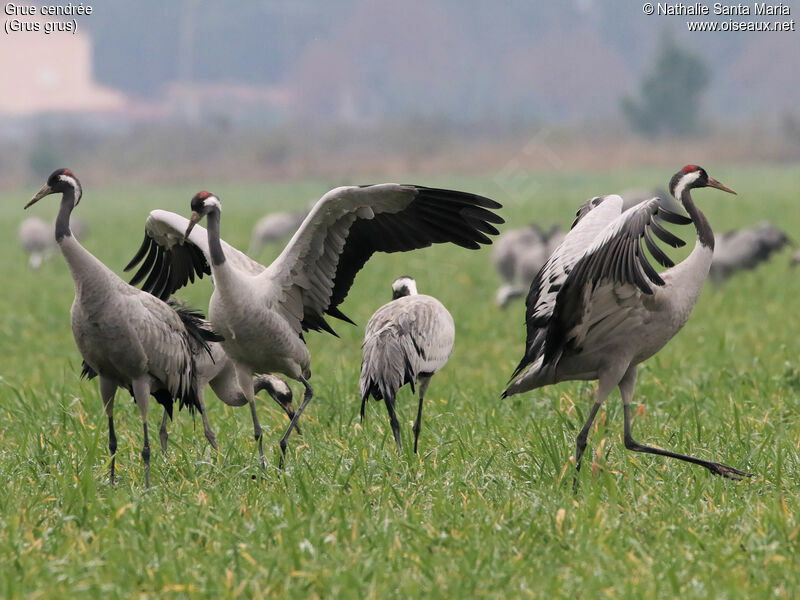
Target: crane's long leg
246,385
307,395
626,389
423,387
141,393
604,387
107,391
393,420
163,434
210,435
363,406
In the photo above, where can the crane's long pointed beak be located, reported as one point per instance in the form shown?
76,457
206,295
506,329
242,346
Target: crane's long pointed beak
716,184
46,190
193,220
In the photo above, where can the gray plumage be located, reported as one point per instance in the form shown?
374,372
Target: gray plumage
598,307
262,314
215,368
130,338
632,197
745,248
406,341
164,238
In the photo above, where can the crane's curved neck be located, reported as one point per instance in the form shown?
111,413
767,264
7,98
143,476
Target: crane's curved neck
214,244
88,272
704,234
64,212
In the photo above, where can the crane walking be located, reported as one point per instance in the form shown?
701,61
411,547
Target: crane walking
406,341
598,308
262,312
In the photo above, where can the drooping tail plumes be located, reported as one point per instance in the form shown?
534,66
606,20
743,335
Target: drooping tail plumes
390,360
196,325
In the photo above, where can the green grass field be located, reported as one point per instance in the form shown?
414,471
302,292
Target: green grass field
486,510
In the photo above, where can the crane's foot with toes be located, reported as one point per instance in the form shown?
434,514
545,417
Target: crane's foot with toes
728,472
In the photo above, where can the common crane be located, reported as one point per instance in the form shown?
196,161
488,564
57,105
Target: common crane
35,237
406,341
598,308
745,248
129,338
165,262
262,312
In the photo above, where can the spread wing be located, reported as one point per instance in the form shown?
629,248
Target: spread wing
604,243
592,218
611,270
313,274
167,263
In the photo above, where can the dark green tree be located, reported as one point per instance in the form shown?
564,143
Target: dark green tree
670,93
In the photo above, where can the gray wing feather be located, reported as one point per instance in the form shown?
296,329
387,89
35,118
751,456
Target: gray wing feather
616,257
604,244
169,352
407,337
316,269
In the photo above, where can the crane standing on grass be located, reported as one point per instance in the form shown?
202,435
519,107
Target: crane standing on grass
406,341
129,338
598,308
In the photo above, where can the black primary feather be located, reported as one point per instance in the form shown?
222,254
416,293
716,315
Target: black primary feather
166,270
433,216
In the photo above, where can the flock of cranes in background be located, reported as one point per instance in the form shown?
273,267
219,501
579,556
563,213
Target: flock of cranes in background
595,306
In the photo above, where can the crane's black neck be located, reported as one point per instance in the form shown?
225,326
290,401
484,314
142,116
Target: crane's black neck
214,244
64,212
704,234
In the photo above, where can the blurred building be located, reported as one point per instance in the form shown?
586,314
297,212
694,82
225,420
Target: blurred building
51,73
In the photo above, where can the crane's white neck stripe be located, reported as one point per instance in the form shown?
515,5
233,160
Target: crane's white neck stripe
73,183
213,202
683,182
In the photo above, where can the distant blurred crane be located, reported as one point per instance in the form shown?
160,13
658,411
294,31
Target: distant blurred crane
36,238
745,248
405,341
598,308
274,228
518,255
